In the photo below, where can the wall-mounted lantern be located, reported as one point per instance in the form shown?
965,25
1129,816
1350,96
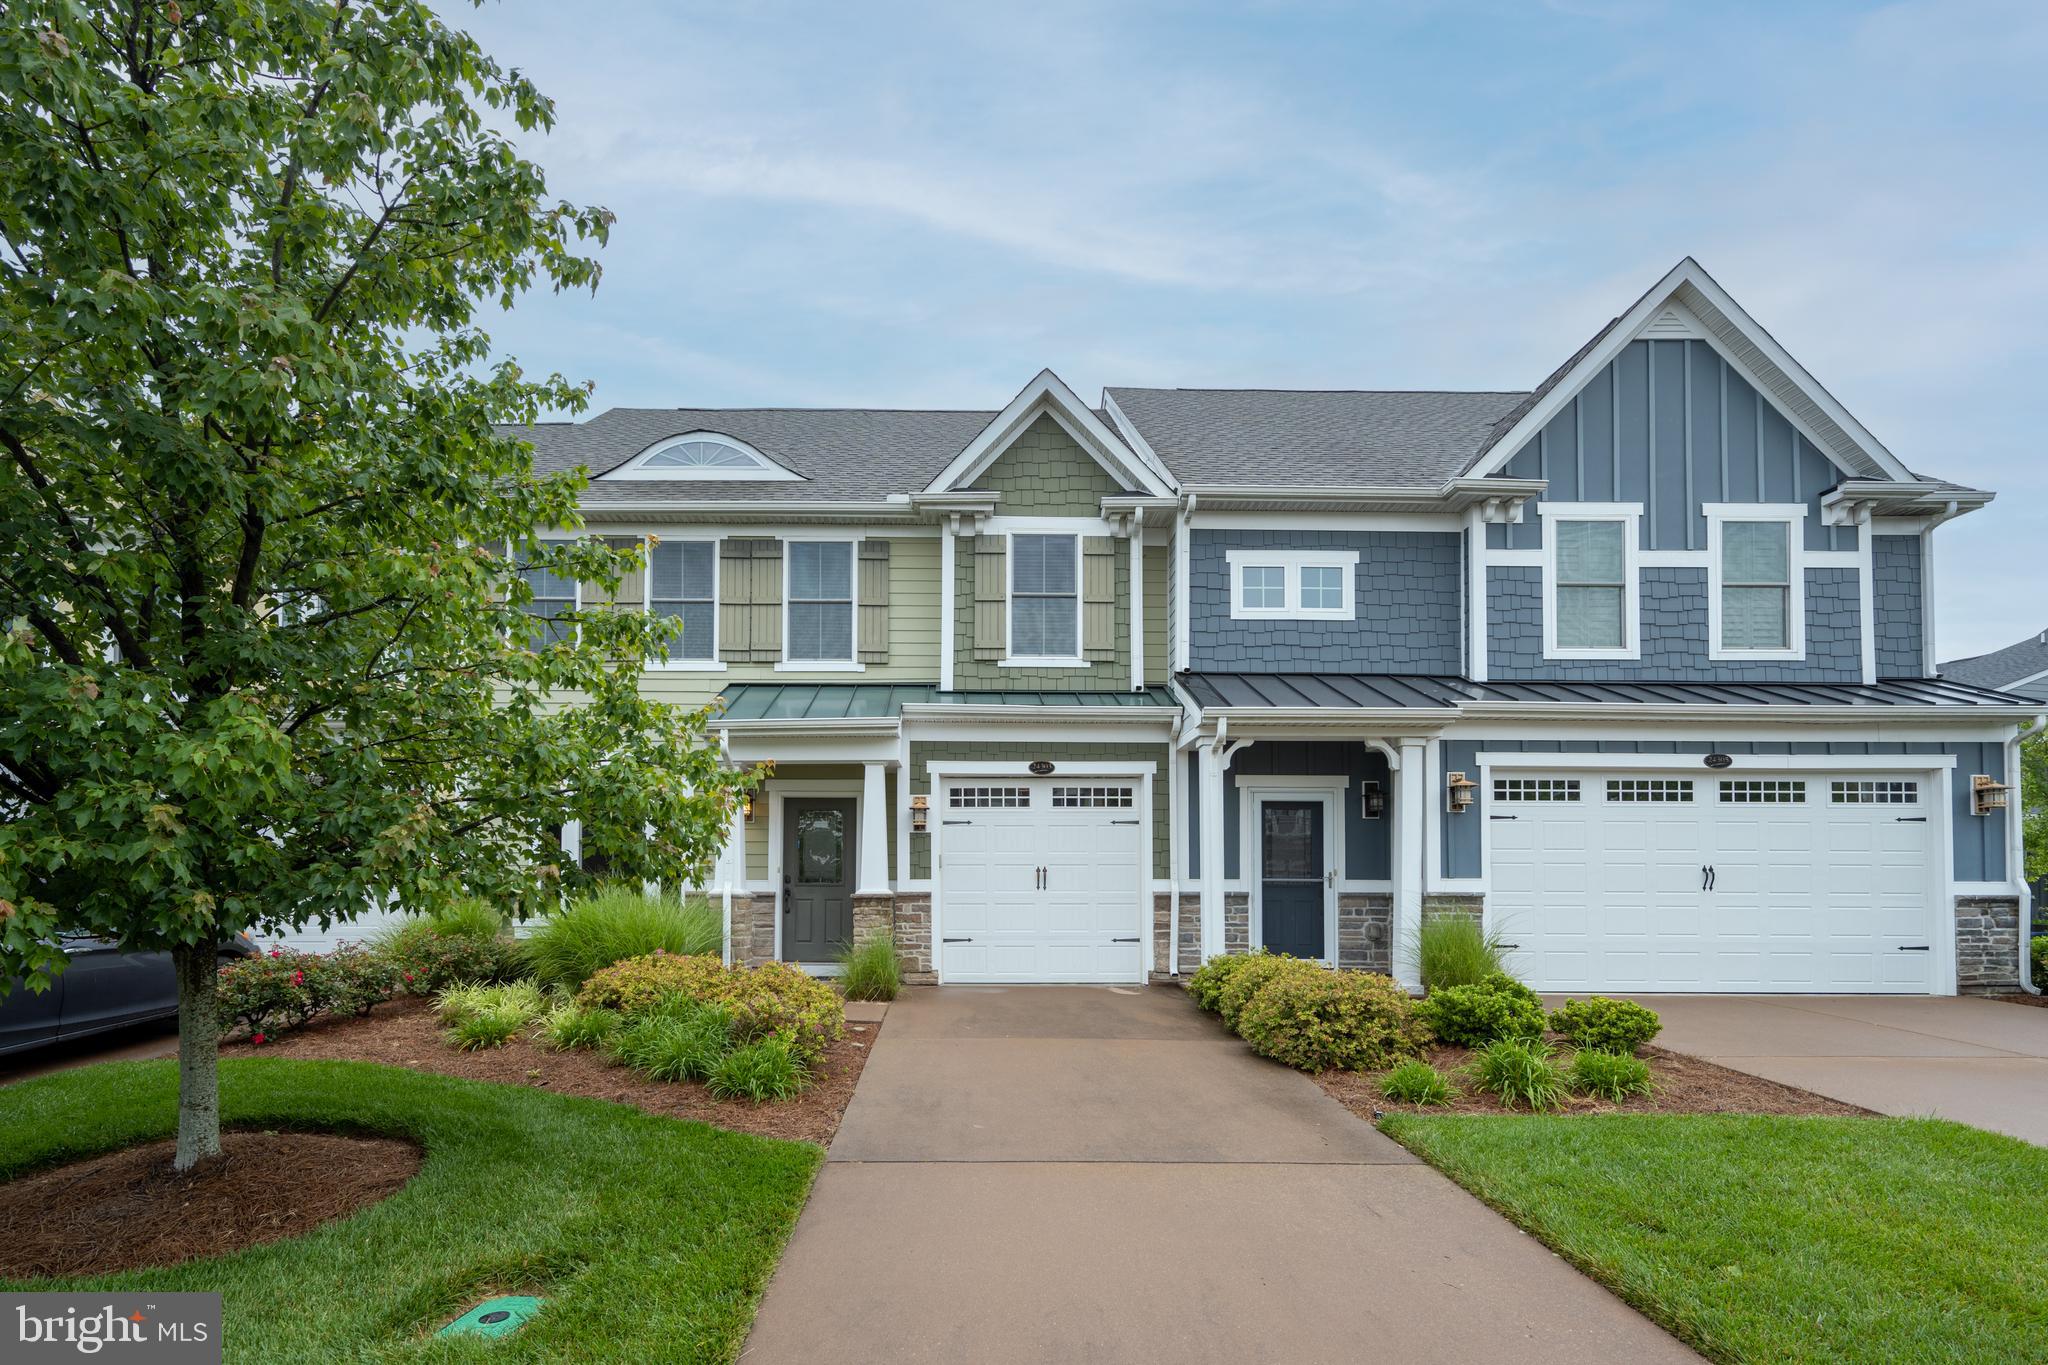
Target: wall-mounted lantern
1459,792
1372,801
920,814
747,807
1986,795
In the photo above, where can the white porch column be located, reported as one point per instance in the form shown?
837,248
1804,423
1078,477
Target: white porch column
1210,794
1411,807
949,532
873,874
1137,538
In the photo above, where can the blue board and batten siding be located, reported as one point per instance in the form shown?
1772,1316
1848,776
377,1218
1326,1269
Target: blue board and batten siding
1896,577
1407,610
1979,840
1671,425
1674,632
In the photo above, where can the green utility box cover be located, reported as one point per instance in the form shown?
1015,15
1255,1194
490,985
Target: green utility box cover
497,1317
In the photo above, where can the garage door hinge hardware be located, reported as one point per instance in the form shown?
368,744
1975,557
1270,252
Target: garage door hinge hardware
956,822
956,940
1912,819
1123,822
1503,817
1510,945
1916,947
1123,940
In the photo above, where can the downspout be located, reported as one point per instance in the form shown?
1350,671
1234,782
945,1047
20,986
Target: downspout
2016,843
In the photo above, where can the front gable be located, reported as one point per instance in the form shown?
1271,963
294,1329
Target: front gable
1046,426
1046,473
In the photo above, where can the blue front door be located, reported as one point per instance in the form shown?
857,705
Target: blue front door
1291,877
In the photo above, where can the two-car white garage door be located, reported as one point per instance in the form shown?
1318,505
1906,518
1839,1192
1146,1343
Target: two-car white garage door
1040,879
1775,882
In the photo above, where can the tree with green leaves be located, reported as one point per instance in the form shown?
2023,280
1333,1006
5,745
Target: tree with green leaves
264,542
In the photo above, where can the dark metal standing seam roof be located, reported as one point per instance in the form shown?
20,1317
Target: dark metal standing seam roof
881,701
1382,690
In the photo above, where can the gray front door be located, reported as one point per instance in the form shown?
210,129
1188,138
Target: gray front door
817,878
1291,877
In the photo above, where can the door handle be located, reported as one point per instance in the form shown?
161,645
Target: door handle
1124,940
1330,878
1713,876
1706,878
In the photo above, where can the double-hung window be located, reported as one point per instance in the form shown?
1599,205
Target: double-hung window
1589,566
1045,597
683,584
554,598
820,602
1301,585
1755,605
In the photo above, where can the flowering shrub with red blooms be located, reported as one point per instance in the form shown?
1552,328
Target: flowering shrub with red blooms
283,990
428,961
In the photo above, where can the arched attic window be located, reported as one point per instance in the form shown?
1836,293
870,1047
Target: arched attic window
705,456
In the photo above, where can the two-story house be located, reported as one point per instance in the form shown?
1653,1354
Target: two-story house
1637,665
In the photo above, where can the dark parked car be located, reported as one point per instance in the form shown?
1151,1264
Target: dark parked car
102,988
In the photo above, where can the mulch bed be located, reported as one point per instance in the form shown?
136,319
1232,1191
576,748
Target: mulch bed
2022,998
127,1209
1684,1085
405,1033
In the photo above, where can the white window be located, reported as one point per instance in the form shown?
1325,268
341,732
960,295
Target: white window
1045,597
1655,790
1535,788
1302,585
1883,793
1763,793
987,798
554,597
1590,603
1075,798
682,582
818,611
704,456
1756,606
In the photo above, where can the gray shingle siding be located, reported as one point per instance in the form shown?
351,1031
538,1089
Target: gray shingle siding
1407,606
1674,632
1895,585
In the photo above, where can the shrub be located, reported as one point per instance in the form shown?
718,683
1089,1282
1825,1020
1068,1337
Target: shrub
615,923
271,993
577,1026
681,1041
1454,950
520,1000
355,980
639,984
1521,1072
871,970
765,1070
1249,979
427,961
1609,1075
1473,1016
1316,1020
1604,1025
493,1026
2040,951
1416,1082
1209,979
469,918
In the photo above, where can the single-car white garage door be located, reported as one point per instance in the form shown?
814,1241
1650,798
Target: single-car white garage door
1040,880
1778,882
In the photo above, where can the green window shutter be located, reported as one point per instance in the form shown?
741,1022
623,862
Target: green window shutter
873,590
1098,599
735,598
991,592
766,609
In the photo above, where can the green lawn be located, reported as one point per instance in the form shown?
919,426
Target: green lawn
653,1237
1780,1239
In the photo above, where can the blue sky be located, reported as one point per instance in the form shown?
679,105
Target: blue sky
921,205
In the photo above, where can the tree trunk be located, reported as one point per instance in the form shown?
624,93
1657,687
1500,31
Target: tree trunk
198,968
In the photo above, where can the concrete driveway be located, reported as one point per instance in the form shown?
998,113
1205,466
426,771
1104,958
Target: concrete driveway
1104,1175
1980,1062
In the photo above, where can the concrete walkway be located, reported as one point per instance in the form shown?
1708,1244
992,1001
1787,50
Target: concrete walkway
1981,1062
1104,1175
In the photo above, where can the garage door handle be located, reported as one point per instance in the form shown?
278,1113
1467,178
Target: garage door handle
956,822
1916,948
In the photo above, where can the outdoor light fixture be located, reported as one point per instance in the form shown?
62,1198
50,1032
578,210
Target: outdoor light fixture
1458,792
1986,795
747,807
1372,801
920,814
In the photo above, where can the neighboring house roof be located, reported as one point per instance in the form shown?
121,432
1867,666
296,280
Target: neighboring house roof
842,454
1346,438
1375,690
2023,665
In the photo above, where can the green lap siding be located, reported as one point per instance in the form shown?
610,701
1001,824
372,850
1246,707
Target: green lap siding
1152,757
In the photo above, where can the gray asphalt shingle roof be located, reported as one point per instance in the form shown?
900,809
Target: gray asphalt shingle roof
1314,438
843,454
2003,667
